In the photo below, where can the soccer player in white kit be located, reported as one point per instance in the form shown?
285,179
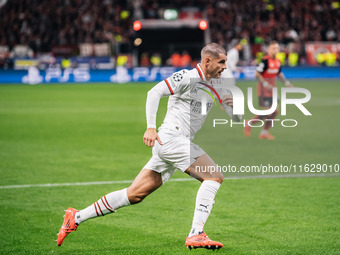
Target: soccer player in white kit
172,146
233,58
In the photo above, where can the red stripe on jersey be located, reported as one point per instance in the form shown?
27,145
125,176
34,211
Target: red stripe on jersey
200,73
167,83
213,90
96,209
108,203
105,205
100,209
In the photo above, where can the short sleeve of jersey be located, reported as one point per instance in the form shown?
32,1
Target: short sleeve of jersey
178,82
262,66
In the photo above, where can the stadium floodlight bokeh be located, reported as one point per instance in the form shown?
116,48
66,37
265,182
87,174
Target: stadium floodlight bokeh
203,25
137,25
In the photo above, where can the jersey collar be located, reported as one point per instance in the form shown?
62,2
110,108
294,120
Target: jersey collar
200,72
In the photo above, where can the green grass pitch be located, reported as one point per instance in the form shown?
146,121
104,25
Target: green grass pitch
93,132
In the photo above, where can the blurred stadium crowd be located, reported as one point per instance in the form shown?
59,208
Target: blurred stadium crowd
44,24
49,26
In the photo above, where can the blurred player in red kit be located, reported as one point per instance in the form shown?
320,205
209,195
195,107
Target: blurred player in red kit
266,73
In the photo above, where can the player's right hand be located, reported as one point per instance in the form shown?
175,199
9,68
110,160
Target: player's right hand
267,86
150,136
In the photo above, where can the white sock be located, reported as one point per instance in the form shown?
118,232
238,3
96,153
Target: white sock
106,204
204,203
264,132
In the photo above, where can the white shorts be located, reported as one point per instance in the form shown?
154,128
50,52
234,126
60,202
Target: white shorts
177,152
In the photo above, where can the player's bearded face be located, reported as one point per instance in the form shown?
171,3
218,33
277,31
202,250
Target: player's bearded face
217,66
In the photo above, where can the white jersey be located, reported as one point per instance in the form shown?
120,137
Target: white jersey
190,90
233,58
191,97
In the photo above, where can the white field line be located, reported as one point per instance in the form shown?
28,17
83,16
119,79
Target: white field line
171,180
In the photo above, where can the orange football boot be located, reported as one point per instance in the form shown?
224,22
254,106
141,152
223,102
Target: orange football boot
68,225
267,136
247,129
202,241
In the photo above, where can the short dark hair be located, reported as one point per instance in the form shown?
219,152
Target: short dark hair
236,42
212,49
273,42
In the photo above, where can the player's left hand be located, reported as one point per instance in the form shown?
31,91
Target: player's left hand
228,100
288,84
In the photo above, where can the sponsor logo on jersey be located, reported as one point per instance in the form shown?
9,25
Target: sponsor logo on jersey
273,70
